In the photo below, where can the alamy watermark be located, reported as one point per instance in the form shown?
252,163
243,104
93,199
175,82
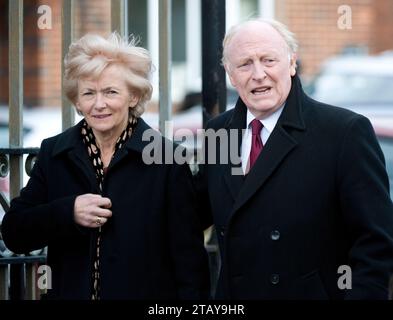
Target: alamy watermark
345,280
44,22
44,277
344,21
220,146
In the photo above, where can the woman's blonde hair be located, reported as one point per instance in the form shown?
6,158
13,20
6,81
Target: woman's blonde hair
91,54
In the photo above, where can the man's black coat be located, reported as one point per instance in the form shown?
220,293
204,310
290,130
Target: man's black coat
316,199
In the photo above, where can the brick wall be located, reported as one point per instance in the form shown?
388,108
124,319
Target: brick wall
382,35
315,25
313,21
3,52
92,16
43,86
42,47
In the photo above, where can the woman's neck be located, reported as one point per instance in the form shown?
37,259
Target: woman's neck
106,142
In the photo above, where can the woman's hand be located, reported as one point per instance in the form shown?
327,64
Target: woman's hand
92,210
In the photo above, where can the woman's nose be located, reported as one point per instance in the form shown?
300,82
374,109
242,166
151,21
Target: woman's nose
100,101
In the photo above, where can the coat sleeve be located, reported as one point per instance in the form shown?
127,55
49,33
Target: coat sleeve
186,237
32,220
201,187
367,209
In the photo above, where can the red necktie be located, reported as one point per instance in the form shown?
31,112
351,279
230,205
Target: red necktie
256,144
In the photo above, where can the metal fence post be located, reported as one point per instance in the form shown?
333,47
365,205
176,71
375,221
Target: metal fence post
213,73
31,281
119,16
67,22
4,280
165,65
15,59
213,91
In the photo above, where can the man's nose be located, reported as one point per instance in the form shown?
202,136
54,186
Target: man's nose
259,71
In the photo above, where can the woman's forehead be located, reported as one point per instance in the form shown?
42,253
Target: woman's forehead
112,73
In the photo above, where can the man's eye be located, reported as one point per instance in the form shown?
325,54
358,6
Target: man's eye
111,92
268,61
87,93
245,64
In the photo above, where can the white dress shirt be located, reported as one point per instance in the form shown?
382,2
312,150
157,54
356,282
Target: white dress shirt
268,125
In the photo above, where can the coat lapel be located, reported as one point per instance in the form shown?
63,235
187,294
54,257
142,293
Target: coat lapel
233,182
70,143
136,143
81,160
237,122
279,145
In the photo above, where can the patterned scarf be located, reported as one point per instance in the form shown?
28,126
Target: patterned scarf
95,157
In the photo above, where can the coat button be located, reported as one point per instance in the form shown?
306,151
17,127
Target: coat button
222,231
275,235
274,278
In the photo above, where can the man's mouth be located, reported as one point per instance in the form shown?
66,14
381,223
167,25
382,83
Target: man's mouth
261,90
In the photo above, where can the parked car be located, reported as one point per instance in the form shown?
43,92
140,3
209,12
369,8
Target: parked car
363,84
383,126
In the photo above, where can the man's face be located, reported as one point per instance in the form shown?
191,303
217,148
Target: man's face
260,66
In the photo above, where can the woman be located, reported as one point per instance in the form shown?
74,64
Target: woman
115,227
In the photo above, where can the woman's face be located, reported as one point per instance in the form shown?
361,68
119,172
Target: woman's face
104,102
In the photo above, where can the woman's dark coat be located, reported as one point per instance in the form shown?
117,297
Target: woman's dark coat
152,246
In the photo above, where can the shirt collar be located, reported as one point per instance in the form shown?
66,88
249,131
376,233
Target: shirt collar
270,122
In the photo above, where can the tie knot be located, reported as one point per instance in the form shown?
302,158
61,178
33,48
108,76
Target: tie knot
256,127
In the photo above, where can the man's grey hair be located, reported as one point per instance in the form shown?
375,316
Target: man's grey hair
282,29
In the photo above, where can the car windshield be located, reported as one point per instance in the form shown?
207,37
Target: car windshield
353,90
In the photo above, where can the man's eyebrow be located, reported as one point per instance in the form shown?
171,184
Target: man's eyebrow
244,58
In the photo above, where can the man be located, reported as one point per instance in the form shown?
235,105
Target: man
309,217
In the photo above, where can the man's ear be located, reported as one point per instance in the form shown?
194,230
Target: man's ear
293,65
229,72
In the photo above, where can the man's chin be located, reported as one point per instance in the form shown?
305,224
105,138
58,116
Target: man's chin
263,110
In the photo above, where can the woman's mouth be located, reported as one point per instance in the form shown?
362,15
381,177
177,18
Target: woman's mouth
101,116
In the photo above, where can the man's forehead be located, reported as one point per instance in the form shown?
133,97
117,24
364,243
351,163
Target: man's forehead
258,31
261,37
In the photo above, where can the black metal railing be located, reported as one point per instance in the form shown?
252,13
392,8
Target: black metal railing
18,273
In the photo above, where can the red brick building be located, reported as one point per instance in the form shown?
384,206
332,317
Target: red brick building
313,21
42,47
315,24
